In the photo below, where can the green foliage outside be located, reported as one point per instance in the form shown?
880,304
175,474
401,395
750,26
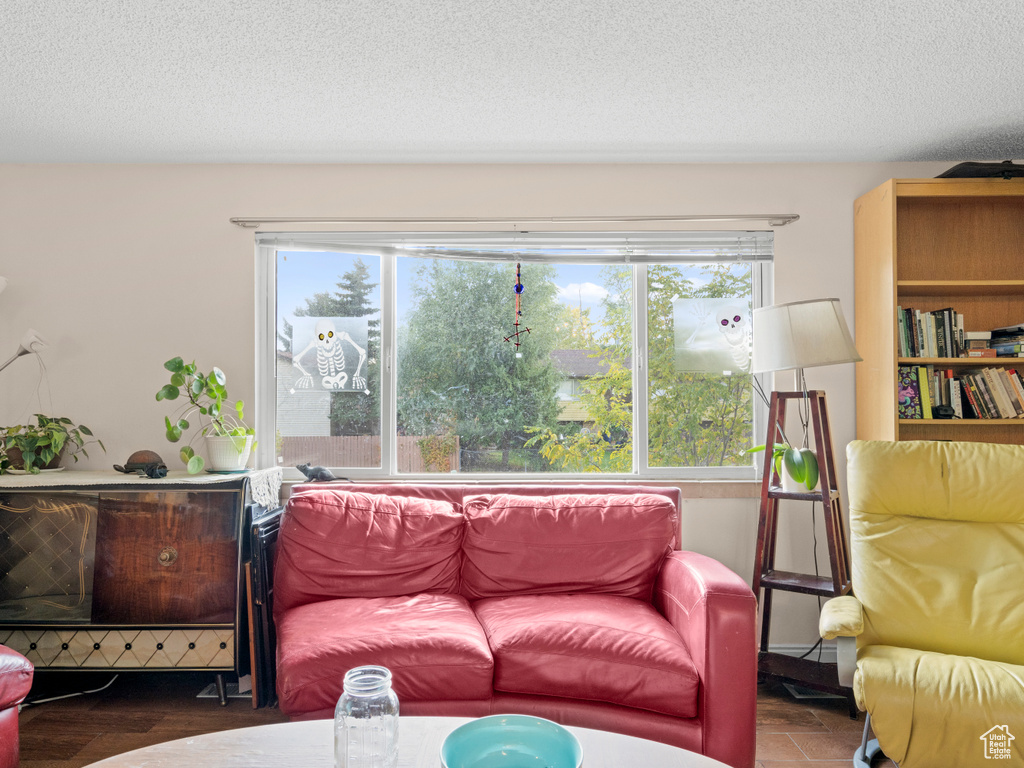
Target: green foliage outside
694,419
456,374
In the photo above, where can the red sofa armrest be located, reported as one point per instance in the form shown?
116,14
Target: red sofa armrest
15,677
715,613
15,682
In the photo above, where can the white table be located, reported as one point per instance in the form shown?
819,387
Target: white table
310,744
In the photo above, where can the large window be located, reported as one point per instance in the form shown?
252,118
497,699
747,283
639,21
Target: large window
623,354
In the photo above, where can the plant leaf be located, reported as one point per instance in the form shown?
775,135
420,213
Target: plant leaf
175,364
173,433
195,465
178,379
167,392
794,462
218,374
811,468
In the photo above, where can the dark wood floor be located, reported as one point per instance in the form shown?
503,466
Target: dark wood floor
140,709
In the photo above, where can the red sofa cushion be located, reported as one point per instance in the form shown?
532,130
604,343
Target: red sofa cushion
433,645
608,543
594,647
336,543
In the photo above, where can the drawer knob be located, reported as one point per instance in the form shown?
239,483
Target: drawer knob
167,555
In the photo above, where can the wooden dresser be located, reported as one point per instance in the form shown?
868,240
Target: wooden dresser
105,570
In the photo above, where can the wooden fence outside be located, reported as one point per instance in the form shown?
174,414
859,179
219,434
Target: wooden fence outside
358,451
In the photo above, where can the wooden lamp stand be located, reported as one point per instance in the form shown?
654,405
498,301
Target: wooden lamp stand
777,666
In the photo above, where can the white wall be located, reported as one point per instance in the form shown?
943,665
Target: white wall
121,267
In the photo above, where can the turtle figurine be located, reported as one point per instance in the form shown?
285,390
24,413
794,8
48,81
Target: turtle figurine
144,464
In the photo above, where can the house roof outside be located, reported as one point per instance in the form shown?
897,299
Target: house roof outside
581,363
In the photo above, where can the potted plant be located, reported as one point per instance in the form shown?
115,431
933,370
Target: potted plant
228,439
35,447
795,466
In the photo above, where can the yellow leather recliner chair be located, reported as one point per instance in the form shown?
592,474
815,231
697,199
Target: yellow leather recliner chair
937,550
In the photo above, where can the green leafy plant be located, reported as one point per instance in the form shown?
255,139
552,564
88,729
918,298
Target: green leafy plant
800,463
40,446
206,395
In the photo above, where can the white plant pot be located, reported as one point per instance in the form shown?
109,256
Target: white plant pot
226,454
789,485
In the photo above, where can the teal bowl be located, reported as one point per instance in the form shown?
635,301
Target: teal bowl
511,741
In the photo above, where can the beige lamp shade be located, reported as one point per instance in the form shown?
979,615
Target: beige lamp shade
801,334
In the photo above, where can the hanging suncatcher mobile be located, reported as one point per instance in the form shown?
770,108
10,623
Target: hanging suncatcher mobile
514,336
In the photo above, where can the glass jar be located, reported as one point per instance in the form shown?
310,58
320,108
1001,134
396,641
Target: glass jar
366,720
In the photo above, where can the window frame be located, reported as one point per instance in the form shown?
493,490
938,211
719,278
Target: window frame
266,345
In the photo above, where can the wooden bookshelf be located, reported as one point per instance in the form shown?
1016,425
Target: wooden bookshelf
930,244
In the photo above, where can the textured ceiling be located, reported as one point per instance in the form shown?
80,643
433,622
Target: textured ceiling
510,80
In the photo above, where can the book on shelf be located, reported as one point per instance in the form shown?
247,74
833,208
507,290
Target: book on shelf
971,410
941,344
955,397
1005,350
1006,330
1003,376
908,404
1018,385
981,353
937,333
974,398
1004,407
922,384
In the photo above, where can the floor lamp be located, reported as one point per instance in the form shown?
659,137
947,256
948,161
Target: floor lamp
30,344
796,336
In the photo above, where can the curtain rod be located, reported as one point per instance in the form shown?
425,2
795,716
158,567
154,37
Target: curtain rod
774,220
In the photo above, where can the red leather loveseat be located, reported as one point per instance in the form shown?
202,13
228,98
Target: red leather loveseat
15,682
566,602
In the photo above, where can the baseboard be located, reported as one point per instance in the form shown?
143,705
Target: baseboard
828,651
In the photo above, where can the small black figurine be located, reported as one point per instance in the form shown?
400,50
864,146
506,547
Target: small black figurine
316,474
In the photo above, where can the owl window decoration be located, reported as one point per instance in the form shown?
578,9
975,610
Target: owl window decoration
712,335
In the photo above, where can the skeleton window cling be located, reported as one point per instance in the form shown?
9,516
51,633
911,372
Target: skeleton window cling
330,359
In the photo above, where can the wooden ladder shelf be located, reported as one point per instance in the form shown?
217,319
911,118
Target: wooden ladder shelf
777,666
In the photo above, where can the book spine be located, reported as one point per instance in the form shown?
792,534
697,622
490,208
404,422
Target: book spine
1003,377
973,399
909,393
922,340
940,334
922,382
929,326
956,399
947,318
988,405
901,332
1012,384
1018,385
1003,406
